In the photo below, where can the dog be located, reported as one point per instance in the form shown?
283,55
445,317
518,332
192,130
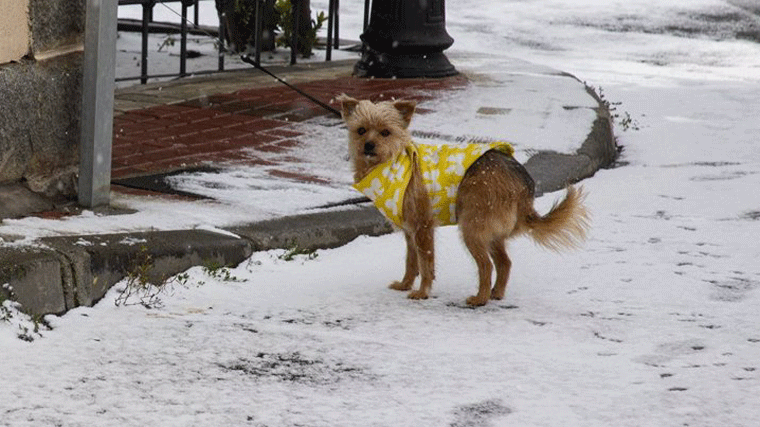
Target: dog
492,203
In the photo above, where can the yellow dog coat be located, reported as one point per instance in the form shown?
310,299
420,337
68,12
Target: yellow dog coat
442,168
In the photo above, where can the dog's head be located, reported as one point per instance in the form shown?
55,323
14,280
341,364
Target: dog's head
376,132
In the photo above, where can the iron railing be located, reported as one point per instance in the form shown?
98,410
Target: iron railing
147,19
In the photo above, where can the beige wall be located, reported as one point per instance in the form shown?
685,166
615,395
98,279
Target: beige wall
14,30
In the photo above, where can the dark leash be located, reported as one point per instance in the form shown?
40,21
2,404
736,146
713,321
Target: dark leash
247,59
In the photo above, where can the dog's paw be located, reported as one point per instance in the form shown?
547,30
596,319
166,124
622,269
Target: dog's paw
497,295
400,286
477,301
418,294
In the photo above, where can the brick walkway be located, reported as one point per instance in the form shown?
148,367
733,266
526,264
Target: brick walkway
234,127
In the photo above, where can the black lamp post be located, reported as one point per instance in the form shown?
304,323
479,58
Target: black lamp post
406,38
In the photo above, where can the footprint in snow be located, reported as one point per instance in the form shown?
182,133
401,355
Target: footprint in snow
666,352
479,414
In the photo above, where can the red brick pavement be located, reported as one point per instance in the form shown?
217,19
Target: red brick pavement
216,129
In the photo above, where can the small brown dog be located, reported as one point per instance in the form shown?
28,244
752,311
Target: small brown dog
492,203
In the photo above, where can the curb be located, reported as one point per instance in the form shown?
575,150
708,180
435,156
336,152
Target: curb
319,230
553,171
68,272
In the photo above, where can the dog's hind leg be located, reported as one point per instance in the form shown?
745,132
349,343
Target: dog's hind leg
412,269
478,247
503,266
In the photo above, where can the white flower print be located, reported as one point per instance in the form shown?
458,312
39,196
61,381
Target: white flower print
398,173
432,180
456,164
451,190
435,202
374,189
431,157
393,203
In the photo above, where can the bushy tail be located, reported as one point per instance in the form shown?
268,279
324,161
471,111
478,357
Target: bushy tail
564,226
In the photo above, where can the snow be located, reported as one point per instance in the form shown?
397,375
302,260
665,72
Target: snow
517,81
653,322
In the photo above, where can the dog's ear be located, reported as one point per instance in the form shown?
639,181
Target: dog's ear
406,108
347,105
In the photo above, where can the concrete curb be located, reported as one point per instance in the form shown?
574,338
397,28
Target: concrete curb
67,272
553,171
319,230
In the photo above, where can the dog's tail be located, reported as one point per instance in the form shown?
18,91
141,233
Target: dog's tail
564,226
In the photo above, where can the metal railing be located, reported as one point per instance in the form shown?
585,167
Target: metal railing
147,19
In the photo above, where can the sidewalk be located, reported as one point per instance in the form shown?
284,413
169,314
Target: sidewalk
247,121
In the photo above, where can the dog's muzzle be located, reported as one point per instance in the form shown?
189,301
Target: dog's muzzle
369,149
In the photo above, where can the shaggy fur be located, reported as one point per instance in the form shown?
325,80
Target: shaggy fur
494,202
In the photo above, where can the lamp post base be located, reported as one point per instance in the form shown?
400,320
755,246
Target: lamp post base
387,65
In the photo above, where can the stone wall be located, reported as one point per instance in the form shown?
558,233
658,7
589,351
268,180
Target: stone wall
40,94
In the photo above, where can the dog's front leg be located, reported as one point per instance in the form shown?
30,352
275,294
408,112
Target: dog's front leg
424,245
419,224
412,269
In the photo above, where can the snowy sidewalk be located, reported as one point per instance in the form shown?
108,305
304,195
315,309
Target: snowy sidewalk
196,159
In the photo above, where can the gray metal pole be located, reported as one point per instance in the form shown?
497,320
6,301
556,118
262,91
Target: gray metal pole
183,42
147,10
330,21
258,32
296,13
97,103
336,12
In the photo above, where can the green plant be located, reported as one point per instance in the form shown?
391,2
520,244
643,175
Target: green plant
6,309
239,17
139,289
182,278
29,326
28,334
291,253
221,272
307,37
246,12
7,305
277,17
625,120
168,41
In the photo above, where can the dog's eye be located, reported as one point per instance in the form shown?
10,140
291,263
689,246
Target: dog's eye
385,132
361,131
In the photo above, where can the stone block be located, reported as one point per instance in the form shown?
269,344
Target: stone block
35,280
100,261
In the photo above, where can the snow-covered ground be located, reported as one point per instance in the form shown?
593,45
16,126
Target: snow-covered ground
653,323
